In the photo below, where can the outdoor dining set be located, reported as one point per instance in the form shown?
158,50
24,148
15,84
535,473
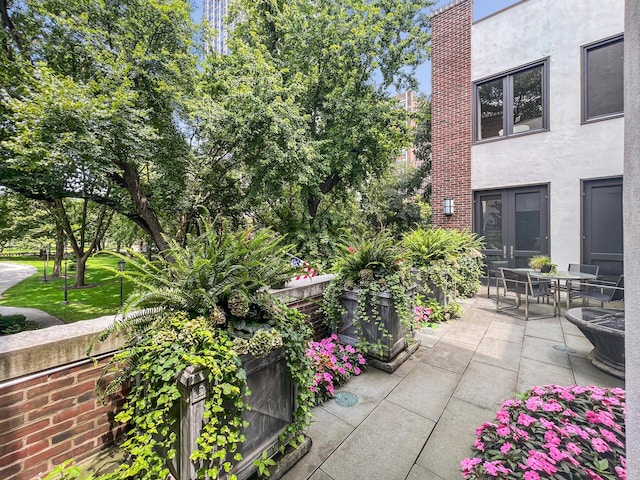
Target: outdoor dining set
526,284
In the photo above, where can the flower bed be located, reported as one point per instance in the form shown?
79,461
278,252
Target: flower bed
554,432
334,363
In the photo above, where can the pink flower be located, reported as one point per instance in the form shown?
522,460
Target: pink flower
573,448
533,403
361,360
622,473
551,437
610,437
491,468
546,423
600,445
356,371
531,475
526,420
467,465
556,454
341,370
505,447
503,416
503,430
479,444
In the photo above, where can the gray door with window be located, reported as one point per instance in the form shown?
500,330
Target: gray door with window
602,225
514,223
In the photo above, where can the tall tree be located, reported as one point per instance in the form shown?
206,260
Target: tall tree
91,102
305,97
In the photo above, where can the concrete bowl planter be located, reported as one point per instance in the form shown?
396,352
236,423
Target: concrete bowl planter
393,334
605,330
272,404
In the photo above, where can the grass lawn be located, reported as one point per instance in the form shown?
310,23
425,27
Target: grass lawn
100,297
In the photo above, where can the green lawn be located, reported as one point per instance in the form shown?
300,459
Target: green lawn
100,297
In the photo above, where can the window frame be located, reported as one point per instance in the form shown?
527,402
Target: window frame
584,64
507,103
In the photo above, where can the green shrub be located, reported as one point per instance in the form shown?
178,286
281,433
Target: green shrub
448,259
10,324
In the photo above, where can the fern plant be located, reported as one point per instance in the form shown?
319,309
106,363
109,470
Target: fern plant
204,303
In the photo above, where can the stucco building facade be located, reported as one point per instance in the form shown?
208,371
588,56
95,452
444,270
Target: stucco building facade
528,128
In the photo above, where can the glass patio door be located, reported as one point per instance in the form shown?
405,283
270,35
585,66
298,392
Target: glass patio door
514,223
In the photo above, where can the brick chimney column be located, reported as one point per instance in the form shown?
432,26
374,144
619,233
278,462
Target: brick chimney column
451,113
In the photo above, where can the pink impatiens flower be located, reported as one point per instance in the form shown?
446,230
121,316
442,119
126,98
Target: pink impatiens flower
505,447
600,445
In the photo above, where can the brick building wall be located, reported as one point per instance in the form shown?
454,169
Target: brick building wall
451,113
53,417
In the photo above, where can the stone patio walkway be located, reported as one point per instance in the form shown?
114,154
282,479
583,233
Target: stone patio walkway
419,422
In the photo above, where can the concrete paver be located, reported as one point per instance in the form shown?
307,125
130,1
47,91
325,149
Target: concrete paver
426,391
452,438
392,438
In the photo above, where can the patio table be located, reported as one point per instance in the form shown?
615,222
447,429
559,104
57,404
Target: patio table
556,278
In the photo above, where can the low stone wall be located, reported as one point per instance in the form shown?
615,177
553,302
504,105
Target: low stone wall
49,409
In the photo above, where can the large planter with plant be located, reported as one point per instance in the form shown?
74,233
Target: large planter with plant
381,324
368,303
220,380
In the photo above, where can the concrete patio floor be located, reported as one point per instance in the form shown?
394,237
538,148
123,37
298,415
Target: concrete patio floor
419,422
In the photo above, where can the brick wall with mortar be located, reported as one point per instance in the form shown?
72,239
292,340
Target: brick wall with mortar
54,417
49,411
451,113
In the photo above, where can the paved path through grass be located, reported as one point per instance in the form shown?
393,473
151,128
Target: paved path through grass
10,274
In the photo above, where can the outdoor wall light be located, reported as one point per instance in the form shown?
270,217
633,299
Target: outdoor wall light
448,206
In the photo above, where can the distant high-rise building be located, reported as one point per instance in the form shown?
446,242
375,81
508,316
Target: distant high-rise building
409,102
215,12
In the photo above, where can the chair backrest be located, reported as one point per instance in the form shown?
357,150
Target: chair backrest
584,268
618,292
592,269
513,281
497,264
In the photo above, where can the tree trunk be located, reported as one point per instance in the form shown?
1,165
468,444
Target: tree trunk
81,268
59,254
131,178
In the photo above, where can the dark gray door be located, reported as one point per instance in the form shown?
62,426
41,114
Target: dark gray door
602,225
514,223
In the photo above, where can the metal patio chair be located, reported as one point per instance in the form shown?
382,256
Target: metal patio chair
602,291
519,283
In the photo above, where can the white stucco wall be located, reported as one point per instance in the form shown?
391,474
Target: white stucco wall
526,32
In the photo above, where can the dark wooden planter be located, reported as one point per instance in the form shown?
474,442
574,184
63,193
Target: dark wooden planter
392,344
605,330
272,403
430,289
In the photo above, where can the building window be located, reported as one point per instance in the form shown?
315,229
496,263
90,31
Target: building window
603,80
512,103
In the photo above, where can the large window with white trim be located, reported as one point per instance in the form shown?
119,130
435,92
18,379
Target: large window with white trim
603,79
512,103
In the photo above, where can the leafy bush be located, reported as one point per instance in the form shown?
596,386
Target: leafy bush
553,432
334,364
447,259
10,324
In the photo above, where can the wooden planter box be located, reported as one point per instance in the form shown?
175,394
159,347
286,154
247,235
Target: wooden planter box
272,403
392,344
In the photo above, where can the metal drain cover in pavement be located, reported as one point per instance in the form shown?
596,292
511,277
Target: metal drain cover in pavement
346,399
562,348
